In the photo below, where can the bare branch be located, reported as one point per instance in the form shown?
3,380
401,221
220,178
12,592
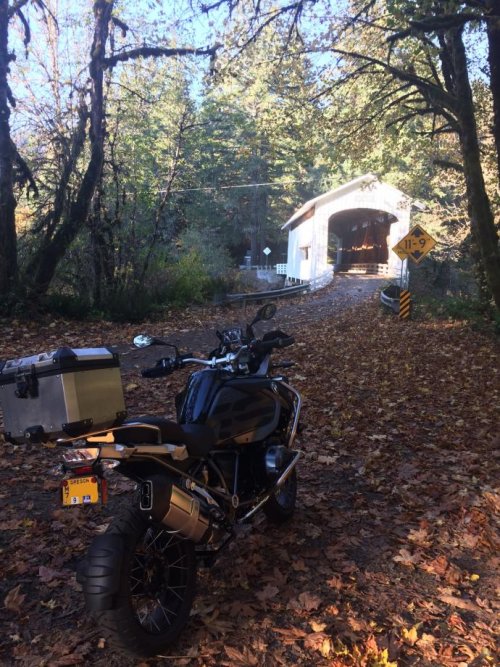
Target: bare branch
132,92
120,24
24,172
433,92
27,31
156,52
448,164
435,24
13,9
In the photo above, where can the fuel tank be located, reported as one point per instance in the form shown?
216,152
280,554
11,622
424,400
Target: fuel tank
240,410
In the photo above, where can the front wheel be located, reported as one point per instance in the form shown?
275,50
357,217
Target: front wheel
281,505
156,589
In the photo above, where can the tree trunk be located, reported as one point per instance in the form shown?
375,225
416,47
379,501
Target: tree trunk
479,206
8,242
493,32
53,251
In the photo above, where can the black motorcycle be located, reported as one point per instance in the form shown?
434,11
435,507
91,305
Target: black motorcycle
229,455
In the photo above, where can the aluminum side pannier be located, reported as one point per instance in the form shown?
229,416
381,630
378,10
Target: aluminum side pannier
64,393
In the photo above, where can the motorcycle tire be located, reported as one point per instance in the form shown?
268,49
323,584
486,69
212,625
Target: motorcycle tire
157,587
281,505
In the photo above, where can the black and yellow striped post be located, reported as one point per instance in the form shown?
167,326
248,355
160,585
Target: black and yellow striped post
404,304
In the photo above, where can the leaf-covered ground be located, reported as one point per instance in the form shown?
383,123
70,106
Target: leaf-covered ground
392,557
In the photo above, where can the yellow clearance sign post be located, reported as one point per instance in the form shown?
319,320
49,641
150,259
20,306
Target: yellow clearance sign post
415,245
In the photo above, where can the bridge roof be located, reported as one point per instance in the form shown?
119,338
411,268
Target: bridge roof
359,182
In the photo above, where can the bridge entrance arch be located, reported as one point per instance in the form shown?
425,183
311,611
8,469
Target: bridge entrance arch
359,240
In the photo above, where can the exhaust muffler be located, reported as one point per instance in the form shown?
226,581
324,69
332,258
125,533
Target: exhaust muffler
164,502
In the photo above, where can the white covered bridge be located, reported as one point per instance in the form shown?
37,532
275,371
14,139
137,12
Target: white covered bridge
350,228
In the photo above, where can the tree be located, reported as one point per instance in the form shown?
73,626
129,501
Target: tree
255,143
70,221
9,157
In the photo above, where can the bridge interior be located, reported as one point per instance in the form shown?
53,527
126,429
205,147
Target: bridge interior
359,237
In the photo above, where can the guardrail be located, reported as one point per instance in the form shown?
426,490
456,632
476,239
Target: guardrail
271,294
389,296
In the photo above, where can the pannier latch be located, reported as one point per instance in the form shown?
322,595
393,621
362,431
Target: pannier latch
27,384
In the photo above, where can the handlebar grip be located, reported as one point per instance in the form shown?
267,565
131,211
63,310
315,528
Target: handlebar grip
163,367
286,342
268,345
153,372
263,345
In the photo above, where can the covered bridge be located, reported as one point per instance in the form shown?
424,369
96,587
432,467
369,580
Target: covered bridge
350,228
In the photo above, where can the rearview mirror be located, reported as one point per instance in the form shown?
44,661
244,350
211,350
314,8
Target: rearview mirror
266,312
143,340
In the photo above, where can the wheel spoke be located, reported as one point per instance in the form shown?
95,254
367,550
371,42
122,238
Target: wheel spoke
179,560
170,540
158,560
170,588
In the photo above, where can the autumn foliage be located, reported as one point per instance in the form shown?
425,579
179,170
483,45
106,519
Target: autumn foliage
392,554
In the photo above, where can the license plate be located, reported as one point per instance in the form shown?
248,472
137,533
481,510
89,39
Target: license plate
80,491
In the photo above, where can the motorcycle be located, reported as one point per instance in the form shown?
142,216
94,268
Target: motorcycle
229,454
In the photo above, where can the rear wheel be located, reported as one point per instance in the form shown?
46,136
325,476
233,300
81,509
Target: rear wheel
157,587
281,505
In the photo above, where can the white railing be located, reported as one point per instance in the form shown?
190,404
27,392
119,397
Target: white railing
281,269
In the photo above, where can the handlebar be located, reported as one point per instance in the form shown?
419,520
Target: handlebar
167,365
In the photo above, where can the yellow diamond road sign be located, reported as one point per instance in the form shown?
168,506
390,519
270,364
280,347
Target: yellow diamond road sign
415,245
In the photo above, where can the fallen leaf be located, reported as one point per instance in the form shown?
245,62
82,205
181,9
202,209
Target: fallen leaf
328,460
244,657
405,557
316,626
131,386
334,582
410,636
459,602
318,641
267,593
438,565
14,599
306,601
47,574
50,604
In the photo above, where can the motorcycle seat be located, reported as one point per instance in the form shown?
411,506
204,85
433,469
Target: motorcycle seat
198,438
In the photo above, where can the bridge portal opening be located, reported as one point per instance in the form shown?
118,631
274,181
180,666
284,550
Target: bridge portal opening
358,240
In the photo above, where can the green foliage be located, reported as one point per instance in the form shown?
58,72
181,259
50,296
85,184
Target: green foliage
188,280
73,306
480,314
200,273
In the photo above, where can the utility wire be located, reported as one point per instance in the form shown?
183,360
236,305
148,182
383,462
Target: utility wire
230,187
